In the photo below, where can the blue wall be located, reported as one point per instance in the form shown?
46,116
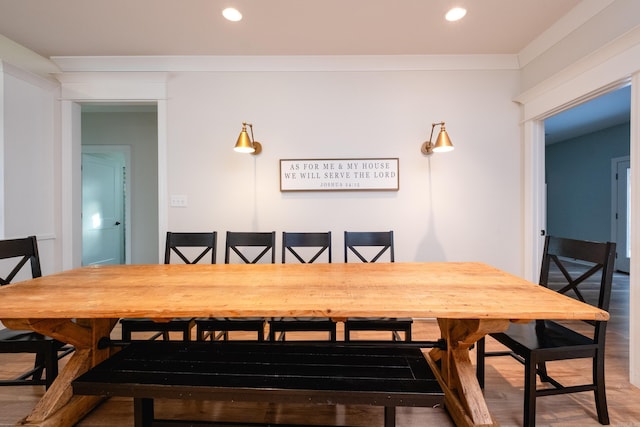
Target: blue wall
578,175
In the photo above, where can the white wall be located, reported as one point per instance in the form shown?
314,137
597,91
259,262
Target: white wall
459,206
30,167
578,178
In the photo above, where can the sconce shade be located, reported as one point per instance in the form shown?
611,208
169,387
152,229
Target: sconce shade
244,144
443,143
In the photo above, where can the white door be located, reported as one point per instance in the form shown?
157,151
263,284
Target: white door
103,209
622,215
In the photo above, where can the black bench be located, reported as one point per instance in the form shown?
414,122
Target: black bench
387,375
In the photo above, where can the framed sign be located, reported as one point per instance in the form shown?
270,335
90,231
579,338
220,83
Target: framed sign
339,174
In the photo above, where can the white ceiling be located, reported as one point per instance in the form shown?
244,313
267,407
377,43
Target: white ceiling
54,28
276,27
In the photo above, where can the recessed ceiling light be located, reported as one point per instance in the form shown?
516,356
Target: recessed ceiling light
455,14
232,14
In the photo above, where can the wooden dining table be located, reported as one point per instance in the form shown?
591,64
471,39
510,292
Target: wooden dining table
469,300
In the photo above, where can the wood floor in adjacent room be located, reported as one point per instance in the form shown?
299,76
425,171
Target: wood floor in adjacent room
503,393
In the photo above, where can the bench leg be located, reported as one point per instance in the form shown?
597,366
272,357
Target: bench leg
389,416
143,412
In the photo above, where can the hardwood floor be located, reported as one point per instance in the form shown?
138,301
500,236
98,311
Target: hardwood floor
503,392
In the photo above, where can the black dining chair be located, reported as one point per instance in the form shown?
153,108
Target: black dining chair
305,248
190,248
373,246
248,248
17,253
580,269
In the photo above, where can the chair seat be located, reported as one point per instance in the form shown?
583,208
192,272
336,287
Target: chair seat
400,320
215,320
225,324
178,324
392,324
26,337
378,323
540,335
15,335
301,324
141,321
301,319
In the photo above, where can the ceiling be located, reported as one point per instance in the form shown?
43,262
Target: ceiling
276,27
290,27
605,111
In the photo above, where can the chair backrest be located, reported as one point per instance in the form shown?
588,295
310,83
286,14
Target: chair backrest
264,242
356,241
295,242
579,269
205,242
22,250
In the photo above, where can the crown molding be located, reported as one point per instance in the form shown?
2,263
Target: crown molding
285,63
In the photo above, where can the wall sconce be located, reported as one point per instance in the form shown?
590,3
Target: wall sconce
442,144
246,144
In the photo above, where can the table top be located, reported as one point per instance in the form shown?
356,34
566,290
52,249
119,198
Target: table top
419,290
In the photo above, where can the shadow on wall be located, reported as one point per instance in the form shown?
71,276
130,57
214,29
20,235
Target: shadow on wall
430,248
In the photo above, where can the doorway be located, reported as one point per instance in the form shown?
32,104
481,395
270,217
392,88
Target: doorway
119,142
583,147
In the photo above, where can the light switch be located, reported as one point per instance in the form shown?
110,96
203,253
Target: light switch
179,201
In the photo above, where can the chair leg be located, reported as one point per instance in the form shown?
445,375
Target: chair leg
542,371
200,334
143,412
480,361
389,416
50,364
39,365
395,336
126,334
600,391
529,416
